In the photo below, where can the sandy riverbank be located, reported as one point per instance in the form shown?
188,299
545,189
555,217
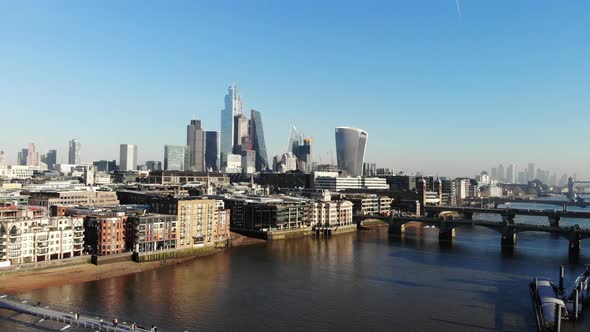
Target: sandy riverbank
34,279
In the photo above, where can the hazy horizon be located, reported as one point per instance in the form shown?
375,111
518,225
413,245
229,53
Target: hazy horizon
440,89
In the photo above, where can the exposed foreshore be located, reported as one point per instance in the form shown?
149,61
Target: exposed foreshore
20,281
24,280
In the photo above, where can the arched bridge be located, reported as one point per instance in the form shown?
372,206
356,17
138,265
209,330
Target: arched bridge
507,228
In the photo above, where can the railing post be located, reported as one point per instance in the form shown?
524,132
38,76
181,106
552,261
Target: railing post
561,275
557,323
576,295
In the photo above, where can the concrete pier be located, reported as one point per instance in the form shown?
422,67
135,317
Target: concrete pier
554,220
397,228
508,237
446,234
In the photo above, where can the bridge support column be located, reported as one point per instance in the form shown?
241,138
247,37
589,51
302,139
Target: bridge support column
397,228
468,215
574,246
508,237
446,233
554,220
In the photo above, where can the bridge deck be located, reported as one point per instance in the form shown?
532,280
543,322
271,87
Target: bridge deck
528,212
46,313
495,224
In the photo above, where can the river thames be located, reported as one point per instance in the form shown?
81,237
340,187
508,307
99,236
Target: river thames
368,280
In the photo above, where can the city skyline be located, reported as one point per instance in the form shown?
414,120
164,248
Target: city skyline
498,92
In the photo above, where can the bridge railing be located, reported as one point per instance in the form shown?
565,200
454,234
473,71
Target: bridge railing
69,311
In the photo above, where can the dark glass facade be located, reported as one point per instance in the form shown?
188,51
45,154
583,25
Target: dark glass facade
257,140
212,150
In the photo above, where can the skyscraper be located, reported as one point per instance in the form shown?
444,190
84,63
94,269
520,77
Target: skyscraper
241,139
22,157
531,172
350,149
74,152
127,157
212,145
511,173
501,176
51,158
295,139
175,157
195,140
2,160
233,107
257,140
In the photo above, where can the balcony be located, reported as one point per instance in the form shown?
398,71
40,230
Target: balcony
77,241
41,245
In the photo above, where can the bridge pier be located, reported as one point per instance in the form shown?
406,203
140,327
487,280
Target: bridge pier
508,237
446,232
554,220
468,215
397,228
574,246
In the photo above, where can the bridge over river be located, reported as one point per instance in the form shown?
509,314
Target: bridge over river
447,219
68,318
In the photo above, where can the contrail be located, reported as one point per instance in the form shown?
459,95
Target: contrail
458,8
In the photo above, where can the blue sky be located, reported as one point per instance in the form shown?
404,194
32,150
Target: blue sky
438,91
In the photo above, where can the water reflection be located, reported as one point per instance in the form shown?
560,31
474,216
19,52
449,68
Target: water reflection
370,280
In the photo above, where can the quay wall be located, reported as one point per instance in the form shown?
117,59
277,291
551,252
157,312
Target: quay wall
79,260
141,257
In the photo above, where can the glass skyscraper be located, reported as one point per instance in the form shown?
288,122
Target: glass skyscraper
233,107
350,149
175,157
212,150
257,140
74,152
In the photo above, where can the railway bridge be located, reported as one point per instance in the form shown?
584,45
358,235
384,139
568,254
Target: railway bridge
447,219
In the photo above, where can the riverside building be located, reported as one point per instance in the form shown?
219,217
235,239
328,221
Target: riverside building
29,236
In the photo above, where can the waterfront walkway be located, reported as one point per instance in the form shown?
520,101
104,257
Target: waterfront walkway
68,318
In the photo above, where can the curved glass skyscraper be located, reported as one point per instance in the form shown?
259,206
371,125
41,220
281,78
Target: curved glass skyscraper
350,149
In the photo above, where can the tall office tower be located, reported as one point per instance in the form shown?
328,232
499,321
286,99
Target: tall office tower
74,153
3,164
128,157
350,149
32,156
511,173
303,154
212,145
175,157
241,139
257,140
195,140
295,139
233,107
501,176
22,157
494,173
51,158
531,172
